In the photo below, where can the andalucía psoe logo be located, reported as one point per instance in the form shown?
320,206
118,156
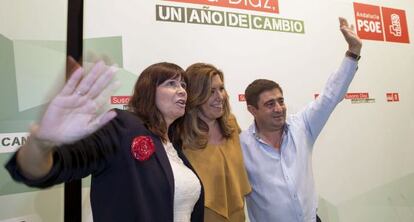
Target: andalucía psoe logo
381,23
206,16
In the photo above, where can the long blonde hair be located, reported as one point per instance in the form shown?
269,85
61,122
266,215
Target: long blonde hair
193,130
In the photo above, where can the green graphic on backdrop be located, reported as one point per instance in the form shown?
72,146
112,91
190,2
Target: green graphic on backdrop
30,74
27,69
7,78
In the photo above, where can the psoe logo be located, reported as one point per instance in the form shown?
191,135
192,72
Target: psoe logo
393,97
381,23
9,142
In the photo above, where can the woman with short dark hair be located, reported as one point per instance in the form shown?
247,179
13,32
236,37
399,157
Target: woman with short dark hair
137,174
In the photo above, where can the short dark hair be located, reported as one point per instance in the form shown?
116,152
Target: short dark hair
256,88
142,102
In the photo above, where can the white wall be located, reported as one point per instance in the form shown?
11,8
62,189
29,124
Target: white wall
363,148
363,158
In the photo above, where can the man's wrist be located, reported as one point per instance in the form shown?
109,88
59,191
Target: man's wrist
352,55
356,49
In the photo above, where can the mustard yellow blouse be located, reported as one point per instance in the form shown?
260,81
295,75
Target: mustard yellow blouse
221,170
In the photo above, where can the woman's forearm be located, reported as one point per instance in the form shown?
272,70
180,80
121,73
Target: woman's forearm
35,158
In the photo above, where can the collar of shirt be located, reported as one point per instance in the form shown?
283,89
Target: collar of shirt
253,130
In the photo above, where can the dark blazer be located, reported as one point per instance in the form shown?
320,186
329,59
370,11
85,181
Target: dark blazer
122,188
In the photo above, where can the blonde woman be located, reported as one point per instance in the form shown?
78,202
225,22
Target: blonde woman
210,137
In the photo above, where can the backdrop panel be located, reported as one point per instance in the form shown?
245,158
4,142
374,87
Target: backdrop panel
363,158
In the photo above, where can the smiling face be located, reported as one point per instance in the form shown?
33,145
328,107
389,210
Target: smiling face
170,99
270,114
214,107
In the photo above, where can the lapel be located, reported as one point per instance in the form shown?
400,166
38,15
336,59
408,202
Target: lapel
162,159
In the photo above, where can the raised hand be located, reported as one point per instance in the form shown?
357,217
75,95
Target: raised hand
354,42
76,111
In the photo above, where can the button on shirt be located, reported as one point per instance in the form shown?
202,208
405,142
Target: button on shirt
282,181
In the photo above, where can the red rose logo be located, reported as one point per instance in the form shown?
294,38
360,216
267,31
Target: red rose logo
142,148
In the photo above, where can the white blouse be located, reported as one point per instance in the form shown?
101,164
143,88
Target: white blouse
186,184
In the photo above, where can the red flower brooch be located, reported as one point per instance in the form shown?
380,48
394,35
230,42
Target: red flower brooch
142,148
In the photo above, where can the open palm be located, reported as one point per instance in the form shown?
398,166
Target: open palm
74,113
348,31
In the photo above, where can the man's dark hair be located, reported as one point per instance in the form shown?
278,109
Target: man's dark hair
256,88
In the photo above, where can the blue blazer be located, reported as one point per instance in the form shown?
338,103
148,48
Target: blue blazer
122,188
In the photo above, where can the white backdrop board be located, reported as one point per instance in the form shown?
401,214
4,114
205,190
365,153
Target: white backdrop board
363,160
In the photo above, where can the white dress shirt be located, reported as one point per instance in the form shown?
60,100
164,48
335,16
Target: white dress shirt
282,181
